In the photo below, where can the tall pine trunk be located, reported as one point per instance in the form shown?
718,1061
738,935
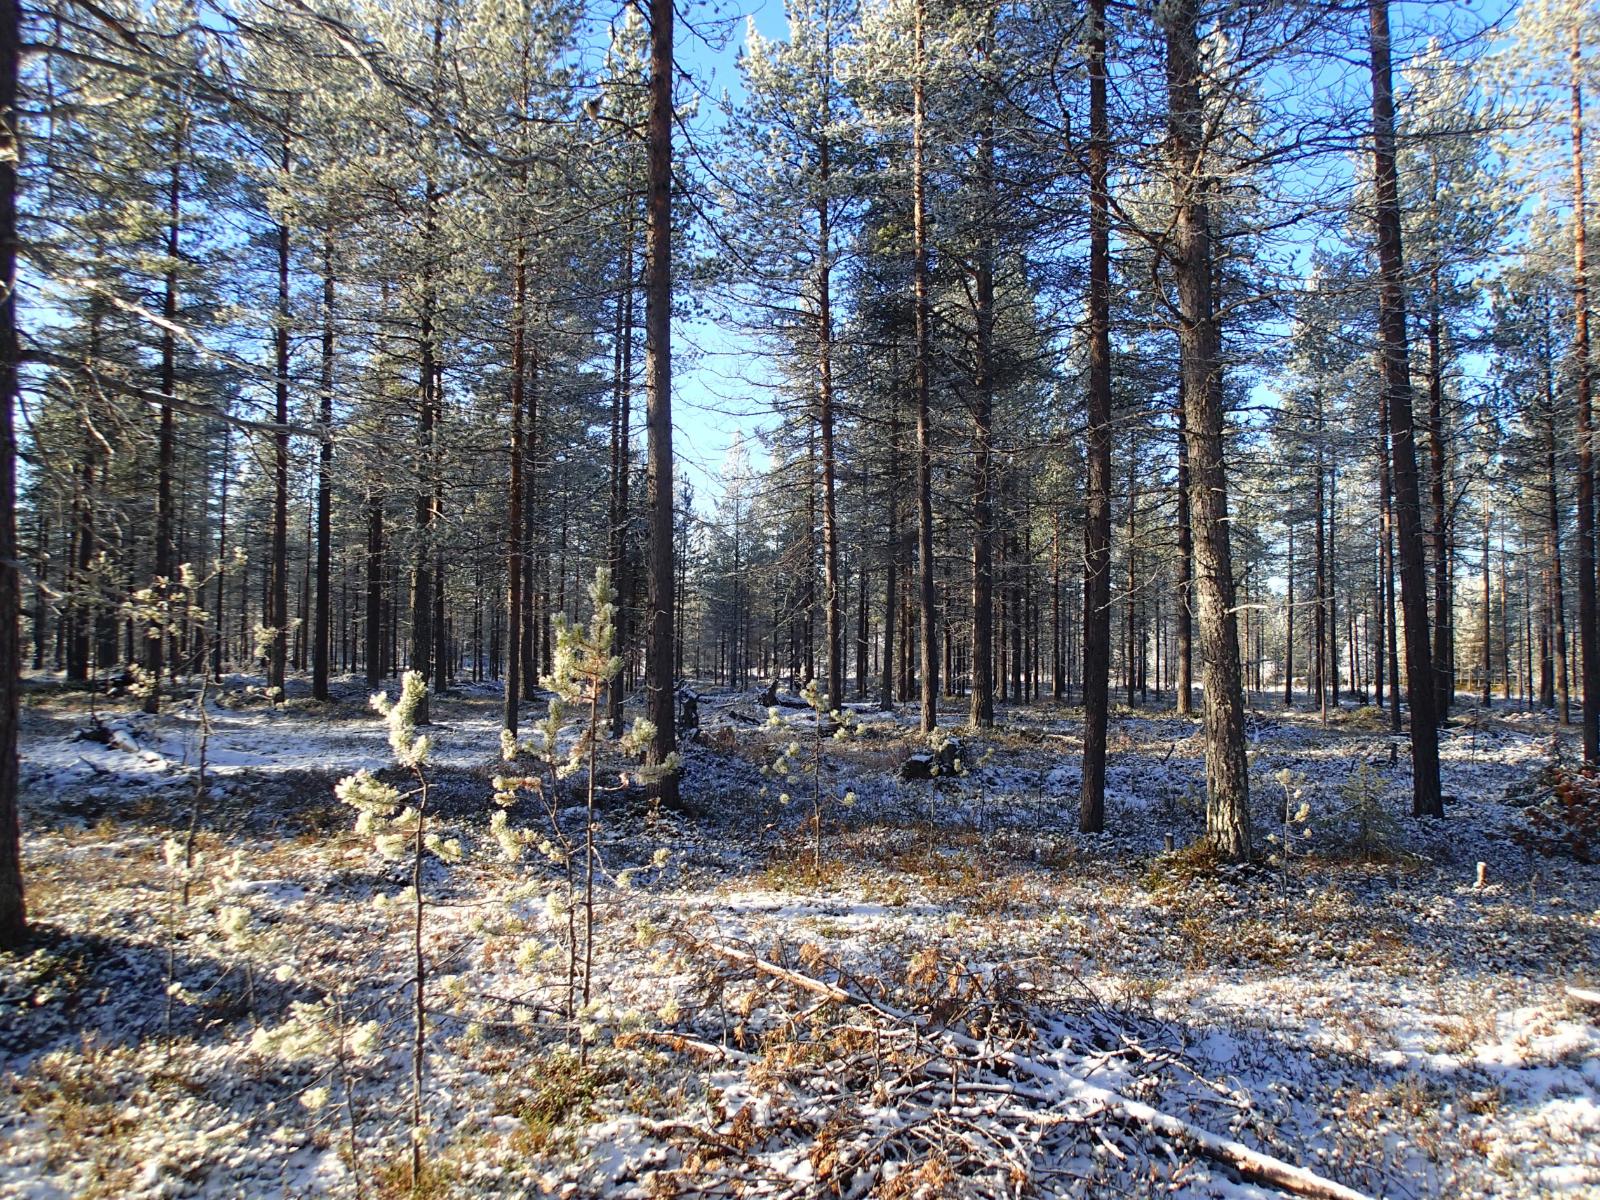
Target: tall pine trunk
1185,611
1227,772
421,562
277,620
514,498
658,376
832,585
1420,681
322,643
924,369
1444,660
13,911
982,708
156,639
1097,520
621,464
373,640
1559,695
1588,632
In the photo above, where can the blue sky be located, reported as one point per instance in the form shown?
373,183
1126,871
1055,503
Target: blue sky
718,372
717,392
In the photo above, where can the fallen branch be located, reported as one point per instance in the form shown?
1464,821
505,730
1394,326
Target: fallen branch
1584,996
1251,1164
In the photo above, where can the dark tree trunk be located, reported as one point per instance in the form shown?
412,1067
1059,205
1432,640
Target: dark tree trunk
891,549
982,710
530,488
1227,772
1426,799
157,636
832,586
1588,630
13,910
1560,695
219,643
1488,601
924,365
1097,519
1444,651
1185,613
322,644
658,375
277,621
421,652
621,465
519,331
1288,629
373,653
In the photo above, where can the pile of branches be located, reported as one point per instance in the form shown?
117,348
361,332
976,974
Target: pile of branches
931,1079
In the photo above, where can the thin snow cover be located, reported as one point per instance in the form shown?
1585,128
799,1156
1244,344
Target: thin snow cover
881,986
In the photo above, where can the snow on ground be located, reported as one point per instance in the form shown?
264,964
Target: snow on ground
1359,1006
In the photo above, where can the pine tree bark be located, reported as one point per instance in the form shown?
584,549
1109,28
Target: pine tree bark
924,369
832,585
658,375
621,464
277,621
1319,587
1288,628
373,651
891,547
1190,251
13,909
1444,654
219,634
1588,629
519,331
1184,614
156,636
1557,600
982,706
322,643
1488,638
1097,518
530,647
421,649
1420,681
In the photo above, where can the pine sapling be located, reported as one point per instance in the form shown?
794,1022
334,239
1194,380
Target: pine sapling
393,829
793,764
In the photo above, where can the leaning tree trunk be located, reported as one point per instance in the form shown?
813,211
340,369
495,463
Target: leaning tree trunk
13,910
658,419
1097,520
1227,771
1425,797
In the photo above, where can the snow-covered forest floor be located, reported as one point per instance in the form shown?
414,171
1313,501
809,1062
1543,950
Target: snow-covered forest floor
914,1019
